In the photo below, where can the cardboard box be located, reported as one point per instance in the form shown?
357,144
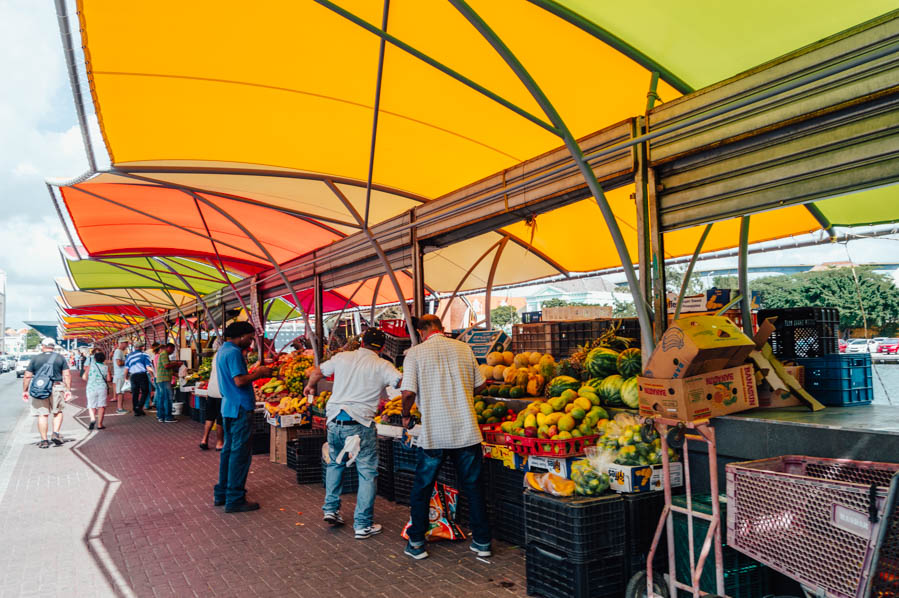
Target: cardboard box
699,397
644,478
278,439
504,454
771,399
697,345
483,342
561,466
712,300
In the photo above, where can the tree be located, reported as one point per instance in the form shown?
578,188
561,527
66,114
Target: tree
726,282
873,301
623,309
504,315
554,302
674,278
32,339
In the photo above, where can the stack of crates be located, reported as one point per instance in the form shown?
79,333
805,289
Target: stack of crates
744,577
803,331
405,459
542,337
506,501
260,433
385,468
350,479
304,455
575,545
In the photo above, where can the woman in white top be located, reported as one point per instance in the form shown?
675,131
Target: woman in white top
98,377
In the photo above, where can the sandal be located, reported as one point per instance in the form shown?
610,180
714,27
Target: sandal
101,427
204,446
43,444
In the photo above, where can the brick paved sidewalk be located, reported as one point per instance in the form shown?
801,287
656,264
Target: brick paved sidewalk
127,511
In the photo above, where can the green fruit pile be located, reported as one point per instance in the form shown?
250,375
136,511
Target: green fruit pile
492,413
632,447
588,481
572,414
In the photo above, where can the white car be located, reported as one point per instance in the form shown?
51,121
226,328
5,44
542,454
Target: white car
860,345
22,363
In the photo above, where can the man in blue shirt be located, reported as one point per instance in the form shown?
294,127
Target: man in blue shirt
238,403
137,368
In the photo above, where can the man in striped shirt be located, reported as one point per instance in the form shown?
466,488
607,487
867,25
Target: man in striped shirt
442,376
137,368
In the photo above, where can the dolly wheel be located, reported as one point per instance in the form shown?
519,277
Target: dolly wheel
636,587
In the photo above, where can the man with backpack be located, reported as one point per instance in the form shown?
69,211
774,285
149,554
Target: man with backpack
48,385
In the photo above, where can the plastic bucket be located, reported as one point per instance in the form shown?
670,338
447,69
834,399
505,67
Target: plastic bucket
177,408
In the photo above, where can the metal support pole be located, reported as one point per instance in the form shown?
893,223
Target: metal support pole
418,277
575,150
318,307
743,278
465,277
657,245
689,272
489,290
62,18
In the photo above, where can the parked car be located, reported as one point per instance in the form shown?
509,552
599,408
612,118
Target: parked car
9,363
875,347
890,347
883,342
22,363
4,364
860,345
842,345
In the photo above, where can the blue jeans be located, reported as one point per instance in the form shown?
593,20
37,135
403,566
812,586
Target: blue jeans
468,462
234,464
366,466
163,401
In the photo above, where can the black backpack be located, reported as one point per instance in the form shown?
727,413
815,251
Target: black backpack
42,384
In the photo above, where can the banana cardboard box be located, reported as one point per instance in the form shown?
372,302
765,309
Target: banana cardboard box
697,345
699,397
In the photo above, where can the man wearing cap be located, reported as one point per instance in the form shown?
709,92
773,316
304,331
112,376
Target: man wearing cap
359,377
61,378
138,368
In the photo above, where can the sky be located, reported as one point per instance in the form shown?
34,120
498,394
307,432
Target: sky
41,139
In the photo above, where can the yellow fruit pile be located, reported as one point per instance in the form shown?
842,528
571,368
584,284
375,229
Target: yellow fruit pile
321,401
572,415
288,406
527,371
395,407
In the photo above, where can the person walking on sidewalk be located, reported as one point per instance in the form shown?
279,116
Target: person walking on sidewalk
137,369
442,376
359,377
164,384
97,377
61,379
118,373
238,403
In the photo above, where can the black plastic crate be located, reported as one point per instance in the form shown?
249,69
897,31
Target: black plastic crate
259,423
641,516
404,458
505,484
583,527
260,442
508,522
402,486
385,453
309,471
201,413
531,317
803,331
744,577
447,474
553,574
542,337
350,478
386,487
308,443
394,347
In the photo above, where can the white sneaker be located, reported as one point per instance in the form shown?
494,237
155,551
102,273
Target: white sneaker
333,518
371,530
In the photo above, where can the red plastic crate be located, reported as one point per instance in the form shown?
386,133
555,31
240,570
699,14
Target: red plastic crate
394,327
497,437
318,423
540,447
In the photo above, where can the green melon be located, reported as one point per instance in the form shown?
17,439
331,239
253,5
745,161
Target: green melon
630,362
610,391
601,362
629,393
560,384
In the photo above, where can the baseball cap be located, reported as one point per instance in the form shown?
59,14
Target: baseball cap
374,337
48,342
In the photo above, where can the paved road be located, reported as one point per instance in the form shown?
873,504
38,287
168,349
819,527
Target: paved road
11,408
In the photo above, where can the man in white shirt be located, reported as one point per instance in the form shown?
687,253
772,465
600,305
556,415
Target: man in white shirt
441,375
359,377
118,373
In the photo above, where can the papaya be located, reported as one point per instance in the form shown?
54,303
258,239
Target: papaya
516,392
508,357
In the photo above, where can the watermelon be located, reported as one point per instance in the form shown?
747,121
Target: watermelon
560,384
629,393
630,362
601,362
610,390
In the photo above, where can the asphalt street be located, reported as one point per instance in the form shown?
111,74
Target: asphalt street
11,408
